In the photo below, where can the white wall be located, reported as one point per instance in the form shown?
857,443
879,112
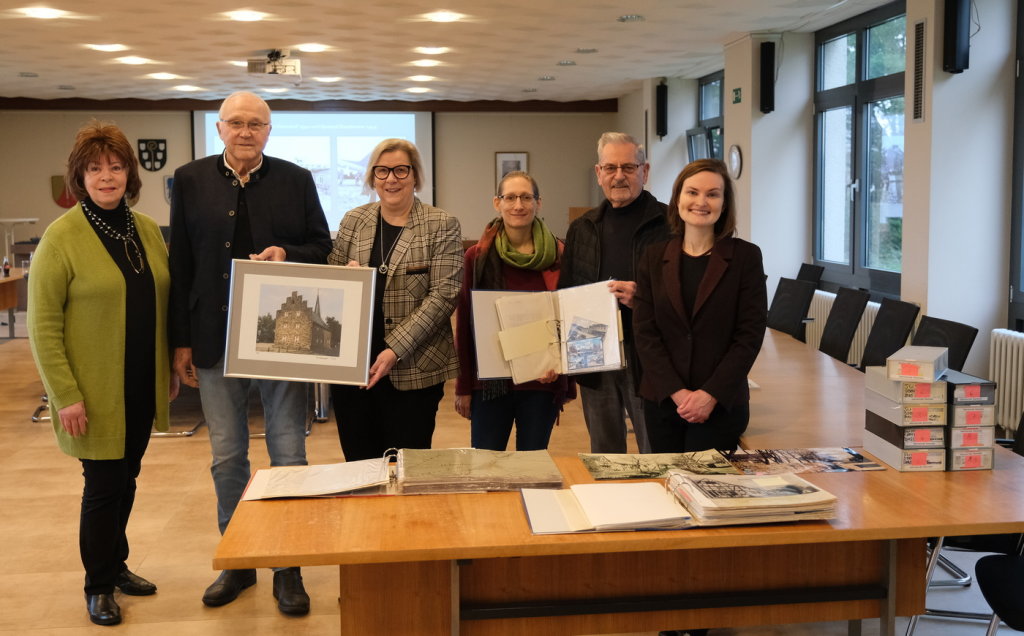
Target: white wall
669,155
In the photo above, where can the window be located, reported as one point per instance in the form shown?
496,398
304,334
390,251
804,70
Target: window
706,139
858,211
1015,320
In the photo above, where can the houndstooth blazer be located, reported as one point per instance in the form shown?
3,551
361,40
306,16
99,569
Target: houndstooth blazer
421,291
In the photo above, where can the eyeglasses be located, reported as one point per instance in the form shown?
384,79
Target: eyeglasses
238,125
400,172
525,198
611,168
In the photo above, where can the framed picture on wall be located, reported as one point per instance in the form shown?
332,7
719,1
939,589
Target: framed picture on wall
301,322
506,162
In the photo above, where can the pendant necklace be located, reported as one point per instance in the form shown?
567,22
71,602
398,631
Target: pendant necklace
131,248
383,268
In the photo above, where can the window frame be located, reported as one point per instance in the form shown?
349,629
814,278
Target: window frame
712,121
856,96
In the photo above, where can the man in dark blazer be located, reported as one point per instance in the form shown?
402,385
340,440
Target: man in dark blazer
605,244
241,204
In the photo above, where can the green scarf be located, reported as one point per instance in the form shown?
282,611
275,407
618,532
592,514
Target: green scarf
545,249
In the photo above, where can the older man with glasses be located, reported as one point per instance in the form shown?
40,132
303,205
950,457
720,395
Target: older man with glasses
605,243
240,204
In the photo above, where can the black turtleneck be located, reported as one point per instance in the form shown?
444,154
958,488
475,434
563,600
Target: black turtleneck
140,315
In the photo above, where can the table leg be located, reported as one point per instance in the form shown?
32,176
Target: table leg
887,620
853,627
10,322
411,599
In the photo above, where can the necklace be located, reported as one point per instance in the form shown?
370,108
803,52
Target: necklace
383,268
131,249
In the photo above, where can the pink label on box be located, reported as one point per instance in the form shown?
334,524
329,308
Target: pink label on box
922,390
922,435
972,461
918,459
971,439
973,418
919,414
972,391
907,368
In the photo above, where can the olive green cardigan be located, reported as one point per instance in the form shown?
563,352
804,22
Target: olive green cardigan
76,325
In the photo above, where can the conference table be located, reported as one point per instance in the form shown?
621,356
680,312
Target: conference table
469,564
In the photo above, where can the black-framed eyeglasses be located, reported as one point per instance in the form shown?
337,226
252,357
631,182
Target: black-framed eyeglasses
525,198
238,125
611,168
400,172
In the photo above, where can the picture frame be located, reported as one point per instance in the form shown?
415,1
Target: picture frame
299,322
506,162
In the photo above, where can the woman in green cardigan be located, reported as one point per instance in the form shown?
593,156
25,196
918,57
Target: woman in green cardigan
97,324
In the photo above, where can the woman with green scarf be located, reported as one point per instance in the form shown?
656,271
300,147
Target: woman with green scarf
517,252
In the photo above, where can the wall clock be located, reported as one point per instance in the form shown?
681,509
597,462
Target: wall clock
734,161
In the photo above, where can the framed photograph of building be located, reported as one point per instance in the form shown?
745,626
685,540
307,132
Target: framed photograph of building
294,321
506,162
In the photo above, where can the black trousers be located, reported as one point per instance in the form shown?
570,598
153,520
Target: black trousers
107,501
370,421
669,433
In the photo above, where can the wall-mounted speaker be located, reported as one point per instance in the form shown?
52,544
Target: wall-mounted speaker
767,77
956,37
661,109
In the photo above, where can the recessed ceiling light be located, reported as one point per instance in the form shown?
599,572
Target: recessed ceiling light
239,63
245,15
187,88
275,90
431,50
631,17
566,63
529,90
444,16
163,76
134,59
425,63
65,87
417,89
43,13
327,80
586,51
107,48
28,74
312,47
546,78
422,78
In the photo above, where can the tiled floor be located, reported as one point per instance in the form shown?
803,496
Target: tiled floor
173,533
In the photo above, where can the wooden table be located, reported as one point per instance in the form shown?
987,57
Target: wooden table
9,296
468,564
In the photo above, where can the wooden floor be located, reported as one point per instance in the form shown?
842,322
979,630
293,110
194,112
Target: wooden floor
173,529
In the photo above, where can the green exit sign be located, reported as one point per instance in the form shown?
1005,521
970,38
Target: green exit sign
737,95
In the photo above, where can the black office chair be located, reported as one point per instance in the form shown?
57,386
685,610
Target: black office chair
955,336
789,307
841,324
810,273
1001,579
889,334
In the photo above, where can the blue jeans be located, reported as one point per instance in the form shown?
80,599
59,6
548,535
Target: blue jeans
226,409
533,413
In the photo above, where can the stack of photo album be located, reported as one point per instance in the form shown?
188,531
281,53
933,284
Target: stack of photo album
718,500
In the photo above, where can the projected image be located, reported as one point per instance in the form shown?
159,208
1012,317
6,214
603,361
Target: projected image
335,147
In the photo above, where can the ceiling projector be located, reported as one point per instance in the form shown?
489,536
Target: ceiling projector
276,63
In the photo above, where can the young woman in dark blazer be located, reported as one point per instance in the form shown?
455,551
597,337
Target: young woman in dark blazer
699,317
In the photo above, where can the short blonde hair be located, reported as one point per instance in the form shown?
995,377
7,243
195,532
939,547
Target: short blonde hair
392,145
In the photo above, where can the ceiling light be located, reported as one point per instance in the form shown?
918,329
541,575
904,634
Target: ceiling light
444,16
245,15
327,80
239,63
65,87
422,78
546,78
43,13
566,63
431,50
163,76
134,59
275,90
28,74
631,17
529,90
107,48
417,89
425,63
312,47
187,88
586,51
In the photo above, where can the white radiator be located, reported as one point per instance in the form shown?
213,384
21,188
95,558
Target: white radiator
821,304
1006,369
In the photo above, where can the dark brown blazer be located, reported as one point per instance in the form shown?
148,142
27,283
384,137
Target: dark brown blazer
714,349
